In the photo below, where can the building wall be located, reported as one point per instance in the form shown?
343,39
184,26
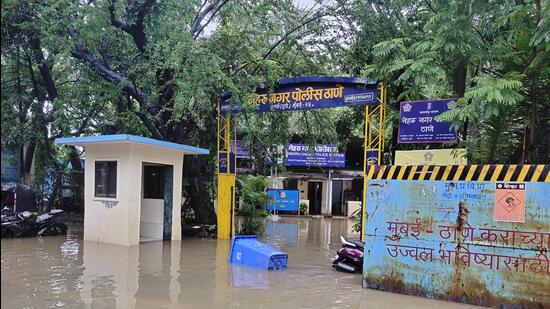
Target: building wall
105,219
118,220
460,238
325,207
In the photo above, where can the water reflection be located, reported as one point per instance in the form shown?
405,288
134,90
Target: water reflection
281,232
68,272
110,276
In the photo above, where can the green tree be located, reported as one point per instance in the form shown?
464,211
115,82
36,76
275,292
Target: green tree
492,55
155,68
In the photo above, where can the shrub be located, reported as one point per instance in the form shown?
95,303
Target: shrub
356,227
253,203
303,208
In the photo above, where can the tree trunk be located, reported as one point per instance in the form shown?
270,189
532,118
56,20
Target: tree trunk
198,173
29,155
459,85
532,76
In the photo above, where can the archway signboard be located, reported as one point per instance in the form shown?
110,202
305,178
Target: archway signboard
306,93
293,94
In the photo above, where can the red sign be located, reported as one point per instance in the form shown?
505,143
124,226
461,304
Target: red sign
509,204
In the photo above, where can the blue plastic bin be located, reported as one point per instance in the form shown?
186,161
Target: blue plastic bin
247,250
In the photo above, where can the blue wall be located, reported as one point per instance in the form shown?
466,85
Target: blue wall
411,246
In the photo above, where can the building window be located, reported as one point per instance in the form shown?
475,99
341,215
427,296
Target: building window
290,184
105,179
153,182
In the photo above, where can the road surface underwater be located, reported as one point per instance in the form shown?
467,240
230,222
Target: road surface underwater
65,271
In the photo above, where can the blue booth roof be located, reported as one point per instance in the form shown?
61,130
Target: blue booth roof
125,138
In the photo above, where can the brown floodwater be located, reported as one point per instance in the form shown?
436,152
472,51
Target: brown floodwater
66,271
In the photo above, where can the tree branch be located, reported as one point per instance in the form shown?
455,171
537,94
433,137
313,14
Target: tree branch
281,40
135,29
201,14
198,32
115,20
82,53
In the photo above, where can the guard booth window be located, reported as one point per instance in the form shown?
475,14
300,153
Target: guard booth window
105,179
153,182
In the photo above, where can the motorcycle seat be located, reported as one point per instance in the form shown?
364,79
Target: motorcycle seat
357,243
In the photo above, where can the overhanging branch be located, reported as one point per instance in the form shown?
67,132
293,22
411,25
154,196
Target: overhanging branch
80,52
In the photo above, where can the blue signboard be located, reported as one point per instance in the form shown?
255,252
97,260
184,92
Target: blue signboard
10,166
222,163
417,123
322,155
372,157
283,200
240,150
304,93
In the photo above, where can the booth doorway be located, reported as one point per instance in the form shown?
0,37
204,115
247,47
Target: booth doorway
156,202
315,196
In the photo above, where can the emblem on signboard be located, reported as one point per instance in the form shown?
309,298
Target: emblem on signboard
282,194
407,107
429,106
372,161
223,162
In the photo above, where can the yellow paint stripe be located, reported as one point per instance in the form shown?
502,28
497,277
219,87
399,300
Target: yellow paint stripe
446,173
471,172
523,172
434,172
547,179
498,169
370,172
381,172
423,172
392,170
413,171
537,173
401,172
510,172
458,172
483,173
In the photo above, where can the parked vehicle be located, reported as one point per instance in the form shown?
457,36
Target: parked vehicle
9,215
350,257
25,224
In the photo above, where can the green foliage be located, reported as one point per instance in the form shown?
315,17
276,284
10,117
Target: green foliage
356,227
494,56
152,68
253,203
303,208
104,67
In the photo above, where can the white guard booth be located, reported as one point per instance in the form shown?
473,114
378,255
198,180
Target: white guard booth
132,187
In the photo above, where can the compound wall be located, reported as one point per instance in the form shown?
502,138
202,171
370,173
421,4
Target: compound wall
470,234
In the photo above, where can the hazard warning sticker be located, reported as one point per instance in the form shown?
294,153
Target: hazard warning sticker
509,202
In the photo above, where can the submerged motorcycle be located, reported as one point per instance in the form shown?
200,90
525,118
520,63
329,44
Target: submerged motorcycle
27,224
350,257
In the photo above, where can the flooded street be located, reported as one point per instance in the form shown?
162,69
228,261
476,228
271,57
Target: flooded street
68,272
